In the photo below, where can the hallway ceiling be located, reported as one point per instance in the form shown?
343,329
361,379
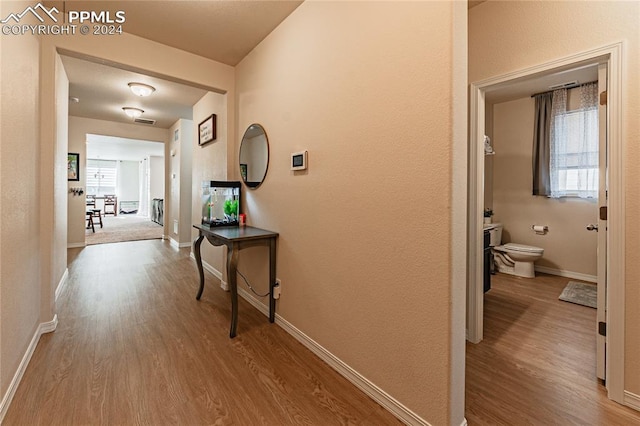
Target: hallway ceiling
532,85
224,31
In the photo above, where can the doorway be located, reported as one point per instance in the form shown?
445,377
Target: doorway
610,56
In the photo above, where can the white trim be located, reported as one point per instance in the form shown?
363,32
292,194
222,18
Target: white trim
567,274
464,422
214,271
45,327
76,245
475,226
178,245
632,400
612,55
458,226
62,283
377,394
616,278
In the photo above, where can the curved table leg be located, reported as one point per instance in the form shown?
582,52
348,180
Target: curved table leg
232,265
196,248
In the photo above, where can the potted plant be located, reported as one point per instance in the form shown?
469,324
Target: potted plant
487,215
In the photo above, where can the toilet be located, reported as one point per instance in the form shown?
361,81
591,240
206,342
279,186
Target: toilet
511,258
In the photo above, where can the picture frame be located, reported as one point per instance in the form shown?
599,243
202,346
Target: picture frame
207,130
73,166
243,171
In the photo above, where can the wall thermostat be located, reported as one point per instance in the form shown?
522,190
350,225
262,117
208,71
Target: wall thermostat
299,160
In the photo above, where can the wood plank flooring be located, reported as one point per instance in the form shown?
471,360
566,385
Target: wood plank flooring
133,346
536,364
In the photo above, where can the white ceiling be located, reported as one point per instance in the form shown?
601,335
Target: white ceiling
102,91
112,148
222,30
532,85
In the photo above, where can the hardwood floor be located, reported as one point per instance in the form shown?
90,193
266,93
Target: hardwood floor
536,364
133,346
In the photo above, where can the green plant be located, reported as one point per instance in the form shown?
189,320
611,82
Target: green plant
231,207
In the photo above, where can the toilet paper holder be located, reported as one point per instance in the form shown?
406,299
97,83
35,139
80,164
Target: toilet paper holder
540,229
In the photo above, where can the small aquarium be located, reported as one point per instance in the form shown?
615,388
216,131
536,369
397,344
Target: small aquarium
220,203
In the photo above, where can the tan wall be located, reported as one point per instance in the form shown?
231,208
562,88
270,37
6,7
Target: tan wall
508,36
210,162
568,246
179,181
365,239
20,246
78,129
172,203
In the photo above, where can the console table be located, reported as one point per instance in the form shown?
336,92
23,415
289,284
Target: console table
236,238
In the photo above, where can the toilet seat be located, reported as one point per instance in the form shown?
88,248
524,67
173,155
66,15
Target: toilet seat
522,248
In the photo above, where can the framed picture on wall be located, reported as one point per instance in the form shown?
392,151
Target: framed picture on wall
207,130
73,166
243,171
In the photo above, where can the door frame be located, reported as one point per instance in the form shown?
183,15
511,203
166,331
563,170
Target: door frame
612,56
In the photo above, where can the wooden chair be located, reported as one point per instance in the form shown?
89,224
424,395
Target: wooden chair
91,201
110,204
97,213
90,221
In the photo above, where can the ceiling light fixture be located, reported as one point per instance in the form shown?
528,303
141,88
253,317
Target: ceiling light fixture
141,89
132,112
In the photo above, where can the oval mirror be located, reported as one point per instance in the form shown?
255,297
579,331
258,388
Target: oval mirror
254,156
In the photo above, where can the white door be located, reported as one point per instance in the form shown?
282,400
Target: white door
602,225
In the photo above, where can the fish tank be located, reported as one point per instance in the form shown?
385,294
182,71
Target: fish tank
220,203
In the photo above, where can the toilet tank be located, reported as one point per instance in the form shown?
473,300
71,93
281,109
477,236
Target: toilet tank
495,234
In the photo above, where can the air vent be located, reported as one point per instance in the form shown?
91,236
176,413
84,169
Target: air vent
144,121
567,85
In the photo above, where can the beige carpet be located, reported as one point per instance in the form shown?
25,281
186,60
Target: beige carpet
123,228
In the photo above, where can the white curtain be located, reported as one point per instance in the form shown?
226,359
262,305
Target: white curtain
573,164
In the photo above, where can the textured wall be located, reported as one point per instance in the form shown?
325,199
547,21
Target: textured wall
20,247
508,36
210,162
364,247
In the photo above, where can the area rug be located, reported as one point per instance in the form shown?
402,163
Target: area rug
123,228
581,294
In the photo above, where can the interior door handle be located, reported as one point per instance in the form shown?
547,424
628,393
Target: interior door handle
592,227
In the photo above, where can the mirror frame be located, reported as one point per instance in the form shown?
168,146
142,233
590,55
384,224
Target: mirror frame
254,184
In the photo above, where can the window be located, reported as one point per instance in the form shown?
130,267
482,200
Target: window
574,148
101,177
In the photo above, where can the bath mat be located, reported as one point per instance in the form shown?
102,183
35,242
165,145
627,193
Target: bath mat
581,294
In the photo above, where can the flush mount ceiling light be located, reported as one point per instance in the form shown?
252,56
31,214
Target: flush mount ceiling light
132,112
141,89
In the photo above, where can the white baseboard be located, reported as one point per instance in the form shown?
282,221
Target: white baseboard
62,283
632,400
380,396
76,245
214,271
567,274
45,327
176,244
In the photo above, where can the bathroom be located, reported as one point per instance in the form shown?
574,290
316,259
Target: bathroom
569,249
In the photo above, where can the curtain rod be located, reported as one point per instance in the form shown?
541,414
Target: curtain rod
569,87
